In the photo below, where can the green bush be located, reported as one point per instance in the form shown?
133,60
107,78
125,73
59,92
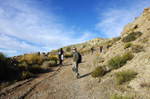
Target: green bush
127,56
35,69
98,72
4,61
116,62
25,75
23,66
128,45
49,64
131,37
114,96
137,48
68,49
119,61
53,58
68,55
32,59
124,76
145,40
116,39
4,66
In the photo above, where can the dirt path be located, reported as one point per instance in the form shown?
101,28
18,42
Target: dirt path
62,84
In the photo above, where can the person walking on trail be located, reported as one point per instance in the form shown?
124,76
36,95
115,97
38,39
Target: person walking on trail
75,62
101,48
92,49
60,55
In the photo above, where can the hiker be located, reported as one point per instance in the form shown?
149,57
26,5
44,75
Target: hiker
92,49
60,55
101,48
108,46
75,62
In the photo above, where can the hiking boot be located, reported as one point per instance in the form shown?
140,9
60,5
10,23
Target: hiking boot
78,76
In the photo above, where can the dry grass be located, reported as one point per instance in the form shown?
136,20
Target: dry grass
116,96
124,76
137,48
31,59
145,40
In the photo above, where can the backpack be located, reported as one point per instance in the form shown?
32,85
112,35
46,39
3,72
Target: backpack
80,58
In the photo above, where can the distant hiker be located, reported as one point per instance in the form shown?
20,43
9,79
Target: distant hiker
60,55
92,49
101,48
108,46
76,60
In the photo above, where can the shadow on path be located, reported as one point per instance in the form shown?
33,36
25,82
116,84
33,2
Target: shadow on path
86,75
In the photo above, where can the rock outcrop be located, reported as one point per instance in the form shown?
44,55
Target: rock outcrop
141,24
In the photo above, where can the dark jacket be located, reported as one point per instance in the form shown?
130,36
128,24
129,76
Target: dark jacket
75,57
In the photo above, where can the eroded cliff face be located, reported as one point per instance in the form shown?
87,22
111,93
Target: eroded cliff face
141,24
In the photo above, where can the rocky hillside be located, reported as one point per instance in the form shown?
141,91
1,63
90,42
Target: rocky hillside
141,24
87,45
123,73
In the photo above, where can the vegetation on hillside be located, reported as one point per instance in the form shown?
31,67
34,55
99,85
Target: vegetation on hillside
131,37
124,76
127,45
119,61
98,72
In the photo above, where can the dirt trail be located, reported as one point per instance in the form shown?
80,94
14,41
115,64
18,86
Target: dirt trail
62,84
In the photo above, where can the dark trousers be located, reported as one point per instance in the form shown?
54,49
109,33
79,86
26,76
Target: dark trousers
60,61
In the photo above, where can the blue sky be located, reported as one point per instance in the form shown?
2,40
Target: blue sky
28,26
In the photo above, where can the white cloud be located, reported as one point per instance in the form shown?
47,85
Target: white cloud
25,28
113,20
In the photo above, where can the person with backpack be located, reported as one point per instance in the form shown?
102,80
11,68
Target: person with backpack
76,61
60,55
101,48
92,49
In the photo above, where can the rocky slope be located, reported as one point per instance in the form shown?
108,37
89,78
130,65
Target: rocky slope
86,45
60,83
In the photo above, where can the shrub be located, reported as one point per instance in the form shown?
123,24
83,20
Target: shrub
3,61
4,68
68,49
25,75
116,39
124,76
53,58
49,63
145,40
31,59
137,48
119,61
116,62
128,45
82,52
35,69
131,37
68,55
22,58
127,56
98,72
114,96
23,66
